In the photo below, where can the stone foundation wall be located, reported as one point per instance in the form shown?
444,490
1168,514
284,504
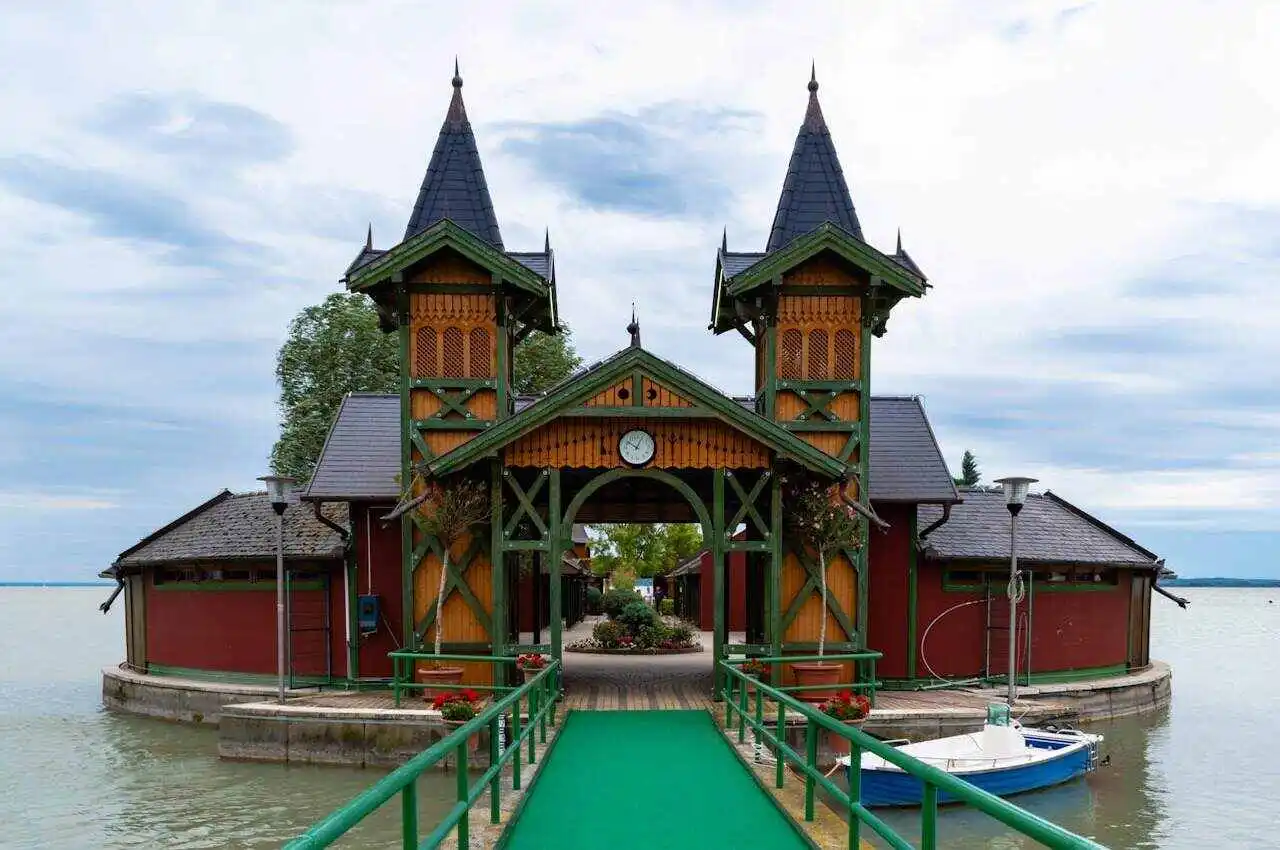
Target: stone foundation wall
173,699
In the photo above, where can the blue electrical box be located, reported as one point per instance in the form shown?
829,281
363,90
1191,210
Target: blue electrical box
367,609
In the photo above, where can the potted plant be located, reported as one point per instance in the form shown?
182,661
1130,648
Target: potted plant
530,664
850,709
756,670
456,708
821,524
448,513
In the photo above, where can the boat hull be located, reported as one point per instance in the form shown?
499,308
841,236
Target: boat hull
888,787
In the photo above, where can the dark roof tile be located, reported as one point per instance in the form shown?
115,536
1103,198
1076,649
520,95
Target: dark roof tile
906,464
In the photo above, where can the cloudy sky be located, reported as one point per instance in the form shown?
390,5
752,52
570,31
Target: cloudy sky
1093,189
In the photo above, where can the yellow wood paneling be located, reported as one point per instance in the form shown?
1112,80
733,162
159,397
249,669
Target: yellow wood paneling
842,584
657,395
679,443
449,267
822,270
459,621
618,395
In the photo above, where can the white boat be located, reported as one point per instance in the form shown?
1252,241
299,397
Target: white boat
1001,759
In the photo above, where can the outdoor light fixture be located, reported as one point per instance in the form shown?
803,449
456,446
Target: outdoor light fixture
278,489
1015,495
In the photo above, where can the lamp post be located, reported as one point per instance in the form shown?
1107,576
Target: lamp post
278,487
1015,494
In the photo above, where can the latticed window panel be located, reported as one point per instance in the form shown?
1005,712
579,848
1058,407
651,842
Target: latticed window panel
790,351
425,362
846,355
818,355
479,354
454,360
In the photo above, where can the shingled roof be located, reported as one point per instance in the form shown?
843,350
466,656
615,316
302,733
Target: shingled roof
361,457
906,464
1051,530
238,526
814,190
454,186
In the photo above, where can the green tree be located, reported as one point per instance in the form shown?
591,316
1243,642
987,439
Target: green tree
644,549
970,475
543,360
822,524
335,348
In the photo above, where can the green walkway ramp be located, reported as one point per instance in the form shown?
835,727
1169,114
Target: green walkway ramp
647,780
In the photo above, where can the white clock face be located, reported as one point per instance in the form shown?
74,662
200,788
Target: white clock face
636,447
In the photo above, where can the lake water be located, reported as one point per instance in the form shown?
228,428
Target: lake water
1204,774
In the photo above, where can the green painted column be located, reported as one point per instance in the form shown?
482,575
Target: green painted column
555,551
406,462
498,568
717,562
776,556
353,620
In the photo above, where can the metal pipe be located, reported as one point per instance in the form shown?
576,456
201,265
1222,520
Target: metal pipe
280,645
343,531
935,525
106,606
1013,605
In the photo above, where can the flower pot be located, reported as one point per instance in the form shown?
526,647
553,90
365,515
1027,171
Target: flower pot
527,673
816,673
441,676
838,745
451,726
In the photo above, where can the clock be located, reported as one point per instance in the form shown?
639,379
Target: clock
636,447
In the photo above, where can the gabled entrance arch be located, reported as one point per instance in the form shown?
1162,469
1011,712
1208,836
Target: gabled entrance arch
695,501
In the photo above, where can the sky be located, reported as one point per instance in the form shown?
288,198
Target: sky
1093,190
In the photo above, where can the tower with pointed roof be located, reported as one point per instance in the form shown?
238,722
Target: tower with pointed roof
810,304
460,303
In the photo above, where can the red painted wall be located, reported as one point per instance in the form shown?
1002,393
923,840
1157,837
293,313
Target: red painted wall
889,558
227,630
378,549
1069,630
736,569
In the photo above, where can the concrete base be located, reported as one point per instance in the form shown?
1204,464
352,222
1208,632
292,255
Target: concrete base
171,698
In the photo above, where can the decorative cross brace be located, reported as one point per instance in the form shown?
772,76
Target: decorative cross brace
454,581
819,402
525,506
813,586
747,504
453,399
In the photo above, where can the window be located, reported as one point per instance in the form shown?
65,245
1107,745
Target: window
480,357
424,354
790,354
453,355
846,355
818,356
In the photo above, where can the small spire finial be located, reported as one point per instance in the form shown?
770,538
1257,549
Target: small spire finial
368,240
724,241
546,243
634,327
813,76
899,240
457,75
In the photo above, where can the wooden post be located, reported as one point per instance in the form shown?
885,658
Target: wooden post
717,563
555,551
775,572
498,569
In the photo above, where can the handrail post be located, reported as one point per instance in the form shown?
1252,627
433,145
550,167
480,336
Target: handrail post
729,681
782,739
515,744
811,759
464,822
533,729
542,703
929,818
395,678
742,711
855,792
409,816
495,784
759,720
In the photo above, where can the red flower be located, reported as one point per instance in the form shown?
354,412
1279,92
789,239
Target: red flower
470,695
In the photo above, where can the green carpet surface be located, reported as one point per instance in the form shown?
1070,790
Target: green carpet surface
647,780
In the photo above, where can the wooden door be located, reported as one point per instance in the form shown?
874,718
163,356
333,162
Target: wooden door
135,618
1139,621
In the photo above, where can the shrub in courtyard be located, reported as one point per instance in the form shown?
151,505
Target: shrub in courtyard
617,599
595,600
681,634
636,616
608,634
667,607
647,637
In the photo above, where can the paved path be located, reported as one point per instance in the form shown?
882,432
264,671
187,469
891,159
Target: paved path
647,780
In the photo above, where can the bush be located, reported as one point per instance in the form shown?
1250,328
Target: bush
667,607
681,634
595,600
617,599
608,634
647,637
637,616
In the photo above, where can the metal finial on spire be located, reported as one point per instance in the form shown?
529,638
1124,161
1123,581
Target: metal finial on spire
457,75
368,240
724,241
546,243
899,251
634,327
813,76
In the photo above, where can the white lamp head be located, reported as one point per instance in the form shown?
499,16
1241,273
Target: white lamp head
1015,491
278,487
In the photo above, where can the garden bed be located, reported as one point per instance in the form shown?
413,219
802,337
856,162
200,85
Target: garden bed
600,650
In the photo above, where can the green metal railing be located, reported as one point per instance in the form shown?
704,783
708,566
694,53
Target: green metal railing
864,661
402,666
541,693
933,780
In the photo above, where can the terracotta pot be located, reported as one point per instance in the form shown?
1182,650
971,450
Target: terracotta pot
438,676
451,726
839,745
527,674
816,673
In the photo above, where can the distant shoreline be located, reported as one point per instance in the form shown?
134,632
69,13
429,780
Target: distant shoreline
56,584
1220,582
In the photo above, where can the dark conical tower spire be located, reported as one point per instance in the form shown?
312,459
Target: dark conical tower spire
634,328
814,190
454,186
